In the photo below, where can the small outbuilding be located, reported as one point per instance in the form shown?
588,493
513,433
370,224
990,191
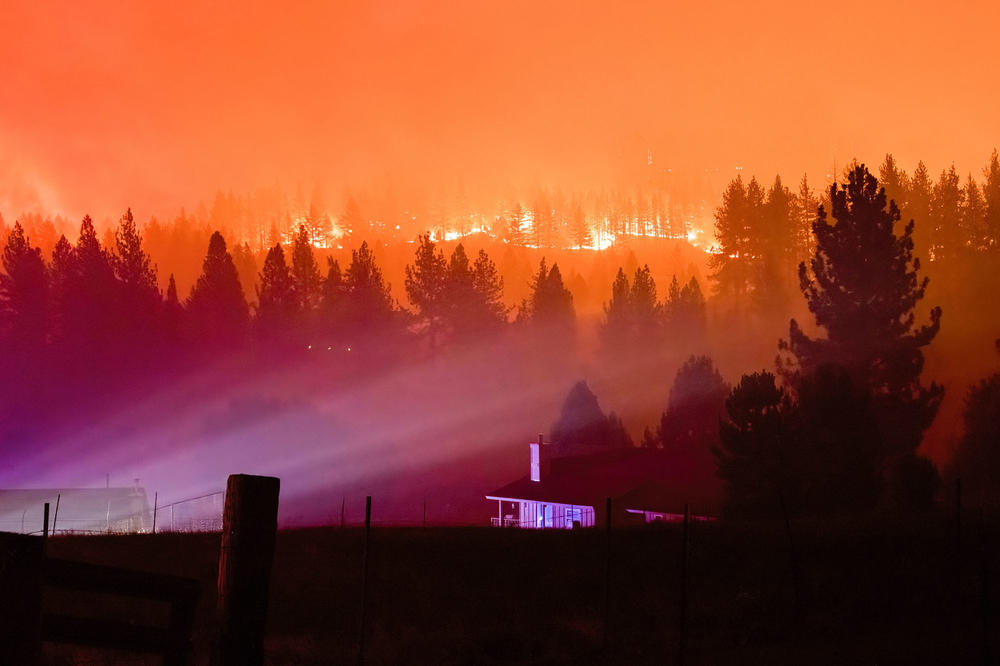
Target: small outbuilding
79,510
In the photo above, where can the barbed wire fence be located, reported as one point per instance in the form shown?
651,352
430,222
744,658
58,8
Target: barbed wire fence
202,513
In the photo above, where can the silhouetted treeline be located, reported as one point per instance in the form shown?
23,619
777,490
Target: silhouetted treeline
837,429
86,319
842,434
90,318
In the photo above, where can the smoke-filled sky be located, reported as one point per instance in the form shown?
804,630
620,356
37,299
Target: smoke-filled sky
157,105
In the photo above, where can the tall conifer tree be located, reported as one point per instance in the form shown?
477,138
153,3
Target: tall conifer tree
862,287
24,295
217,307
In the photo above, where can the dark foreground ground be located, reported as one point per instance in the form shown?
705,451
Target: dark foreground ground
878,592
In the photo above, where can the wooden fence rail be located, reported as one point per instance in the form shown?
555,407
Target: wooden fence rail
245,557
24,624
172,641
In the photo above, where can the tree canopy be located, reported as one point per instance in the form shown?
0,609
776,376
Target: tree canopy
583,428
218,310
862,287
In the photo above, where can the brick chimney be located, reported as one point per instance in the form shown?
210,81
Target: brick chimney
538,456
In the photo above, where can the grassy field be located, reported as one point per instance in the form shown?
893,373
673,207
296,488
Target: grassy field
874,592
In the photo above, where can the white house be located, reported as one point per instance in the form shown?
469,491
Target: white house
645,485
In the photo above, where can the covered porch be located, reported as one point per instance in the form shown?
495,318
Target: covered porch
532,514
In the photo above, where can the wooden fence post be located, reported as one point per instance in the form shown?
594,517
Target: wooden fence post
45,521
21,606
958,538
958,515
249,526
985,588
607,574
682,619
364,579
55,516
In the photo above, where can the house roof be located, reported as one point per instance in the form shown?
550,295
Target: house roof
649,479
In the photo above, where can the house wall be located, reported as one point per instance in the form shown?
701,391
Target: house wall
553,515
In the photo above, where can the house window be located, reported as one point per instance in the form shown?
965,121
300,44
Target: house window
574,517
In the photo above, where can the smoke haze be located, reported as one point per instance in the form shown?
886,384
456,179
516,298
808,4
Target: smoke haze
105,105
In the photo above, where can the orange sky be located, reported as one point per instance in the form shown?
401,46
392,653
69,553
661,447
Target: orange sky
104,105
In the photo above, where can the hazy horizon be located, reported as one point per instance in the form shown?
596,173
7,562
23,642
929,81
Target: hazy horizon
157,108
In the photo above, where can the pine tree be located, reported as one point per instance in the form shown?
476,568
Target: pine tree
977,459
730,270
646,310
673,293
278,302
633,319
333,286
217,309
458,294
351,220
775,267
273,234
90,309
817,451
991,195
331,311
246,267
690,423
918,209
173,313
805,205
318,223
550,306
618,437
62,279
685,314
137,279
838,453
472,295
131,262
694,304
542,223
307,284
895,181
583,428
427,285
947,233
515,231
862,289
368,304
973,215
615,332
754,449
581,230
490,311
24,296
